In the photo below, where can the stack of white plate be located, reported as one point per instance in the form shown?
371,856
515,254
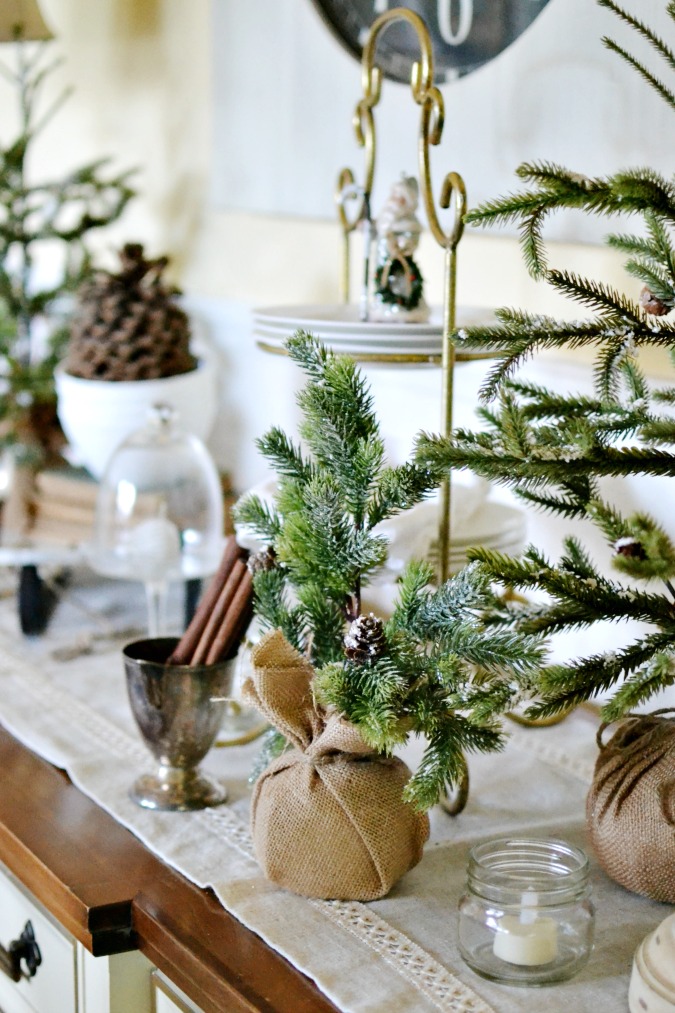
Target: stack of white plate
339,327
494,526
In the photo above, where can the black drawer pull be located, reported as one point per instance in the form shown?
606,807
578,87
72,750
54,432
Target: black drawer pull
22,957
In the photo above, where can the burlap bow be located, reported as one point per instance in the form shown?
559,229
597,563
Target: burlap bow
631,805
328,818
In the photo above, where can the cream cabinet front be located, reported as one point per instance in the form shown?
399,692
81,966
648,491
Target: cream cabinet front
53,988
167,998
68,978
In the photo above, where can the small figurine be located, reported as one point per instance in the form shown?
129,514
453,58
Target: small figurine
398,284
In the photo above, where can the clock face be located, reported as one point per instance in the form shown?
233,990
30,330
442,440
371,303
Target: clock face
465,33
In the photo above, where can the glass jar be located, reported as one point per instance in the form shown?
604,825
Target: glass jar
526,917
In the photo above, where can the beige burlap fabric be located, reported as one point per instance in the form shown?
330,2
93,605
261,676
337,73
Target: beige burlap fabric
631,805
328,819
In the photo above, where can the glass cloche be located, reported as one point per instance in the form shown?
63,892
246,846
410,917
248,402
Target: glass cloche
159,511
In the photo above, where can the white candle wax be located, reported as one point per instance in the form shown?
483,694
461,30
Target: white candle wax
526,939
154,547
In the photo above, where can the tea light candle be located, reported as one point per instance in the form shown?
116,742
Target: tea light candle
526,939
526,917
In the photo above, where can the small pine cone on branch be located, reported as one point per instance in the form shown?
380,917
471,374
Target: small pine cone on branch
652,304
365,640
630,547
262,561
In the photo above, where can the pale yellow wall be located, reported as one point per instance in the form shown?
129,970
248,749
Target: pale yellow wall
141,74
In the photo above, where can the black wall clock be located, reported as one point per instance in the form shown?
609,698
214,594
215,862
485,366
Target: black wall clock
465,33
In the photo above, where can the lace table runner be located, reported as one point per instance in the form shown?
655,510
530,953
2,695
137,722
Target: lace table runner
398,954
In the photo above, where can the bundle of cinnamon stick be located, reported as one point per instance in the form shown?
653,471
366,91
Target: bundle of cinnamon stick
223,614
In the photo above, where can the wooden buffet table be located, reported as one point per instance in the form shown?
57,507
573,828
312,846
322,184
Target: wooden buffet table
182,895
112,895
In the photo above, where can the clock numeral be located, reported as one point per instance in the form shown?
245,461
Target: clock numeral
463,21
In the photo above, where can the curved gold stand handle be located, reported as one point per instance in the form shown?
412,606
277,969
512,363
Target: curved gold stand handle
554,719
345,192
453,194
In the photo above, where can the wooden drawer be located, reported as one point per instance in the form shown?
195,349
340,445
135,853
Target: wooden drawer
53,989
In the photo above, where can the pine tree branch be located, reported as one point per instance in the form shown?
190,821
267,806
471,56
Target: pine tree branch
658,674
659,430
638,246
323,619
641,190
579,598
443,760
284,456
642,29
261,518
565,686
610,358
463,451
543,403
651,80
568,507
272,608
399,489
525,335
663,248
607,301
659,282
637,385
416,578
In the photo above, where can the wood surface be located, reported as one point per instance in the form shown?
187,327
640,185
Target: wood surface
113,895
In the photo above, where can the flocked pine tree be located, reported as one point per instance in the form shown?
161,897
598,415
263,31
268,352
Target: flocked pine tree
554,450
53,219
426,669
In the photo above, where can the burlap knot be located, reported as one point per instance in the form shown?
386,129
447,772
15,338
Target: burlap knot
631,805
328,818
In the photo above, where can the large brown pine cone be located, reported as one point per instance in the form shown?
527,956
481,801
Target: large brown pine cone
128,325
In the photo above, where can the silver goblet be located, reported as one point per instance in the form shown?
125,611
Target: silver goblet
178,710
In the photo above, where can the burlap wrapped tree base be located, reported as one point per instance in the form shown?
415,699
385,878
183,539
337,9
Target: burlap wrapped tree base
328,818
631,805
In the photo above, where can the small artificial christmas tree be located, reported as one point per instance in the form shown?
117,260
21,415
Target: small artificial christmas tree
554,450
426,670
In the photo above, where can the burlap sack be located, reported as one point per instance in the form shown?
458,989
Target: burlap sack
328,819
631,805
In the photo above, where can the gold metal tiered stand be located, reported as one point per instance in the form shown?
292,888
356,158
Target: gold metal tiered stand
452,196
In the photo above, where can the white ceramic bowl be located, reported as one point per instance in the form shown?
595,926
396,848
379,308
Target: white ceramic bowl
96,415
